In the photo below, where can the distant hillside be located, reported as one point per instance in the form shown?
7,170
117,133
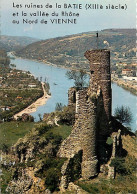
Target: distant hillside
10,43
69,50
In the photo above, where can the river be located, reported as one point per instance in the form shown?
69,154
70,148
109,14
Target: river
59,86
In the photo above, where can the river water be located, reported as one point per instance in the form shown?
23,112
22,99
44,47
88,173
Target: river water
59,86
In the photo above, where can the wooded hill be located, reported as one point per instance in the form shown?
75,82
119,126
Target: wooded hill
69,51
12,43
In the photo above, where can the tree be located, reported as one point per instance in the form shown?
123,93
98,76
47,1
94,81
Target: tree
79,78
59,106
67,115
40,117
123,114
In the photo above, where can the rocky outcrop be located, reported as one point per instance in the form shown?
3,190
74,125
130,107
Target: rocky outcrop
27,183
21,185
76,189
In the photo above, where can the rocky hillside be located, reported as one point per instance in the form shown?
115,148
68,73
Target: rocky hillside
68,51
32,165
12,43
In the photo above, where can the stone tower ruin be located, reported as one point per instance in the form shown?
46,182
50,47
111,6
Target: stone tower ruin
100,80
92,117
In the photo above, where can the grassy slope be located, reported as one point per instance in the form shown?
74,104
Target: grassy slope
10,132
63,130
122,184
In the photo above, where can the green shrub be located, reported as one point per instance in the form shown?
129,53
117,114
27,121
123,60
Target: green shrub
119,164
75,166
52,179
67,115
43,129
49,136
50,170
130,163
109,141
5,148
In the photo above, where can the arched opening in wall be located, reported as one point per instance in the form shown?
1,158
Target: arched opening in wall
74,97
75,170
87,98
91,72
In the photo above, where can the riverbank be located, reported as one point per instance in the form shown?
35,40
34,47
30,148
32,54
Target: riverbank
59,90
39,61
33,107
44,62
130,86
18,89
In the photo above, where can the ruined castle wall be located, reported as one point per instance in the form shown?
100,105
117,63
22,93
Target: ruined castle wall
100,66
93,113
71,96
116,151
100,77
87,115
83,135
72,145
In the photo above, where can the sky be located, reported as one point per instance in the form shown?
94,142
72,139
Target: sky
88,20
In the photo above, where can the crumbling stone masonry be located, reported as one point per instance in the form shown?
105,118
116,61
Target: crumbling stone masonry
101,79
116,150
93,115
